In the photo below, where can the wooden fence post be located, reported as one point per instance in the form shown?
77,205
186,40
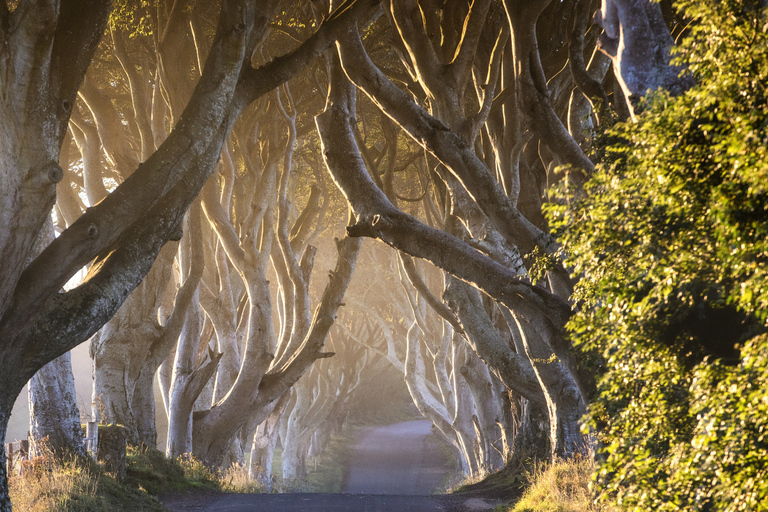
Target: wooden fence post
113,441
9,458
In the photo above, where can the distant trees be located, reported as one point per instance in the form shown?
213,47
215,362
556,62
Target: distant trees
450,385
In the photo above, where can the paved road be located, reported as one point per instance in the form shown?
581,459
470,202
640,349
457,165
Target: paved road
392,469
315,503
326,503
397,459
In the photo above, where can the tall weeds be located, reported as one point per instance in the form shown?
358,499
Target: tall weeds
562,486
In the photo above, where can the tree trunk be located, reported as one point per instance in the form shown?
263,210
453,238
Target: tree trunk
489,415
565,404
637,40
6,405
532,436
182,396
53,413
111,450
264,443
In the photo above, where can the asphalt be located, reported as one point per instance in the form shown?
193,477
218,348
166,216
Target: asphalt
397,459
393,468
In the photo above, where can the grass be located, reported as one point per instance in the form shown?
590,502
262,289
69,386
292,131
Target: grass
71,485
77,486
562,486
506,484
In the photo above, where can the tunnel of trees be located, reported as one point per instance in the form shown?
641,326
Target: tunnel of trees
548,217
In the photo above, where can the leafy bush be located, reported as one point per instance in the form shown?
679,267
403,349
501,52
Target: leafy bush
671,242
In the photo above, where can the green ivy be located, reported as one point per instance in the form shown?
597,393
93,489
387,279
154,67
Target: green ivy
671,243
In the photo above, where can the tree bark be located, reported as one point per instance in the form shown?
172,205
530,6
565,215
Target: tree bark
53,413
637,40
126,230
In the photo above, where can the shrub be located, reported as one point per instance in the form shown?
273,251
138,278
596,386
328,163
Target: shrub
671,241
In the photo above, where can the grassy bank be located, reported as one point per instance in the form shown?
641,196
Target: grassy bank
84,486
563,486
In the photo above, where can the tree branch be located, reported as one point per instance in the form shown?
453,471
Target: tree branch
409,23
474,24
512,368
278,380
226,233
186,293
258,81
436,304
80,26
589,87
129,227
377,217
447,146
535,97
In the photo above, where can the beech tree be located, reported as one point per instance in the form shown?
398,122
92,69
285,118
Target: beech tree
543,311
122,235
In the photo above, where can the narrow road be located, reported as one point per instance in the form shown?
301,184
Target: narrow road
392,468
311,502
397,459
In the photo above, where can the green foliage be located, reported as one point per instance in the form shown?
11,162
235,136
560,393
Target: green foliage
671,243
726,461
133,17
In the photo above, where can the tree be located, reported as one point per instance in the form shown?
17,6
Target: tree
638,41
446,380
670,241
122,235
479,193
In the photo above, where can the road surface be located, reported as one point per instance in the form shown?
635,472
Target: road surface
392,469
397,459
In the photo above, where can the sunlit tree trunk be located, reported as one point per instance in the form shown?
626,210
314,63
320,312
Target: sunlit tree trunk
40,77
54,417
133,344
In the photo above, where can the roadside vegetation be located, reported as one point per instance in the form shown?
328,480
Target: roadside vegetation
671,242
669,238
70,485
563,486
